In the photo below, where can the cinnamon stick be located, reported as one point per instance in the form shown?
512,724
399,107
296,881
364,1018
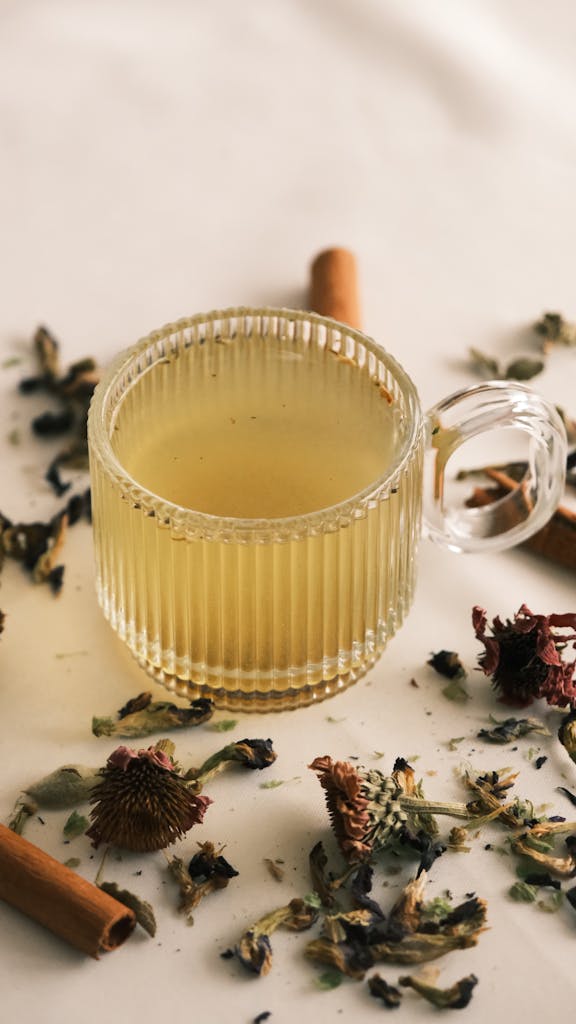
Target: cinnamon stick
555,541
58,898
334,286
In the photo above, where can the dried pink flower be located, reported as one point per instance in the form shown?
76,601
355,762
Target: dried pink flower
524,656
142,803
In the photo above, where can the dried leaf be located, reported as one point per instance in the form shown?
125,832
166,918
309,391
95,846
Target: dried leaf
142,909
524,368
75,825
484,364
329,979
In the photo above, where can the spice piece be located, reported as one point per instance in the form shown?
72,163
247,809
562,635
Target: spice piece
524,656
556,541
142,909
142,803
380,989
454,998
334,286
142,716
59,899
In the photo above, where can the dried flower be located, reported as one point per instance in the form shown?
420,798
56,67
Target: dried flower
380,989
370,811
256,754
142,716
141,802
511,729
254,949
454,998
353,942
523,656
207,872
555,330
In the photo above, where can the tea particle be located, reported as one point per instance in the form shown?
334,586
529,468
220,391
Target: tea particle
72,863
448,664
456,692
141,908
329,979
274,869
261,1017
224,725
567,793
7,364
75,825
272,784
381,989
523,892
540,761
14,437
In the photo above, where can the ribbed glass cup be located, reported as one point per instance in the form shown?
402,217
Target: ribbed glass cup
258,613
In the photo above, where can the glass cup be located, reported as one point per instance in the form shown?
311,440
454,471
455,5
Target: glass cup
258,478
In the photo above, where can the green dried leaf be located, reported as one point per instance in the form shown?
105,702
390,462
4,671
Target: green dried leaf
551,901
329,979
524,368
66,787
522,892
454,742
272,784
75,825
141,908
456,692
11,361
72,863
225,725
484,364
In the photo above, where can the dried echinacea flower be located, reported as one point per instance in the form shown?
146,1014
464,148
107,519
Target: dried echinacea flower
523,656
142,716
142,803
370,811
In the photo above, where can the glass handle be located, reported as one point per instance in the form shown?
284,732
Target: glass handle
527,507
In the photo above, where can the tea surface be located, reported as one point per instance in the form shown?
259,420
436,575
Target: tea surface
254,429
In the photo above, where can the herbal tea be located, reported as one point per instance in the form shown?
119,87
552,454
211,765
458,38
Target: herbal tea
253,431
283,581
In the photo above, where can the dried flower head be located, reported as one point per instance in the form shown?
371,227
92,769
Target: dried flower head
524,656
370,811
142,803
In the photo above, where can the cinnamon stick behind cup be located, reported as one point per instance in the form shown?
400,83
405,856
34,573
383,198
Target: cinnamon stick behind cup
334,286
58,898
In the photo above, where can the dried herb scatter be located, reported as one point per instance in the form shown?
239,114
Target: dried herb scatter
142,803
72,388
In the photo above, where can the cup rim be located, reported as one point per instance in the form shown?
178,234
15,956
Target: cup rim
185,519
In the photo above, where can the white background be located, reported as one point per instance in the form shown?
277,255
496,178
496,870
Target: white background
164,159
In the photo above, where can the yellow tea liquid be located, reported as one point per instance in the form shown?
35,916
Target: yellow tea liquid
247,429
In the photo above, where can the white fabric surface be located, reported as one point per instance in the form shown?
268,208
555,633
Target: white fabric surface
163,159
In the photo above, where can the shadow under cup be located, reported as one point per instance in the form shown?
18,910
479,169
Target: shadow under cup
256,490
